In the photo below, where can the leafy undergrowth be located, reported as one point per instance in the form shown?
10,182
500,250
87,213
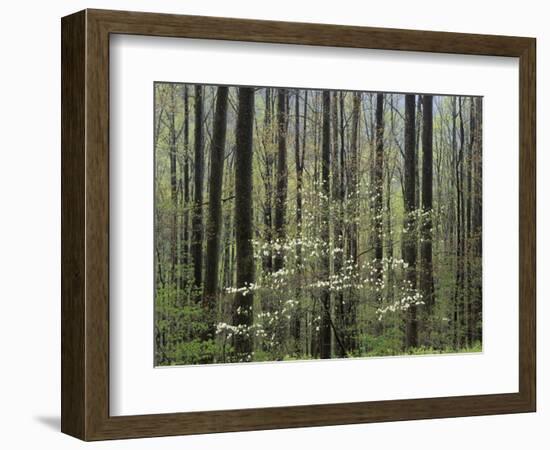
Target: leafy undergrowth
423,350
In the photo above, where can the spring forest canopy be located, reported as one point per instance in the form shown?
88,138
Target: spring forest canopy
295,224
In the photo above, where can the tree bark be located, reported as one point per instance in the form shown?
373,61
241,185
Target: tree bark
378,191
196,241
409,236
267,260
214,219
338,244
426,275
282,175
325,327
184,229
354,178
389,220
468,219
350,191
173,185
243,306
459,319
298,160
417,144
478,218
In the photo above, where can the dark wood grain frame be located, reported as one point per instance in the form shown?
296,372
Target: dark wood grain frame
85,224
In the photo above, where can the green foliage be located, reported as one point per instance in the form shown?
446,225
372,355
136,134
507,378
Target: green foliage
426,350
195,352
388,344
179,331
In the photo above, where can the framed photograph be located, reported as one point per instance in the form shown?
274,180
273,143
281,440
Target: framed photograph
273,225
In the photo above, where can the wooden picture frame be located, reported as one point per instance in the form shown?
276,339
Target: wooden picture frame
85,224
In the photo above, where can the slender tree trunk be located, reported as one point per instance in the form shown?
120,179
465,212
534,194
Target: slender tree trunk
325,327
409,236
173,186
389,220
268,182
426,274
354,178
296,326
417,144
160,273
307,325
338,244
350,191
282,175
214,220
299,162
454,217
196,244
459,277
228,231
478,218
469,236
184,229
349,307
378,192
462,220
243,307
342,154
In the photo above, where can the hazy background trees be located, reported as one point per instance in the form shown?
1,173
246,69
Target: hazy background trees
297,224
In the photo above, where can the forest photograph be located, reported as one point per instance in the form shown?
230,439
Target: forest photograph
307,224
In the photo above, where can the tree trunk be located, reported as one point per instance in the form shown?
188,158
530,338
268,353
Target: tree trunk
350,191
184,228
214,220
243,313
417,144
325,327
196,242
267,260
426,274
338,244
409,236
282,175
478,218
469,236
459,319
354,178
173,185
296,326
378,192
389,220
456,233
